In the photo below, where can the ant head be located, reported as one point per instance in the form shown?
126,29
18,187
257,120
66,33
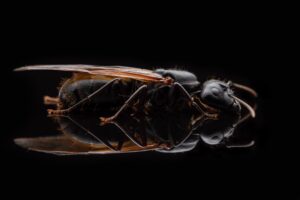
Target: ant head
219,95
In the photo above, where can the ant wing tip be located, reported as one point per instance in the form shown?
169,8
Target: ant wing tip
19,69
24,68
22,142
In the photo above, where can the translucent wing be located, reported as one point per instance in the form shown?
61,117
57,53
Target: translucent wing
100,71
65,145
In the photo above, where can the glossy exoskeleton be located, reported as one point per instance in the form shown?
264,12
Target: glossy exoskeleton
163,110
96,88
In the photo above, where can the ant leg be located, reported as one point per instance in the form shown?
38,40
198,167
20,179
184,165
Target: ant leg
51,100
141,142
194,104
206,107
90,133
70,109
105,120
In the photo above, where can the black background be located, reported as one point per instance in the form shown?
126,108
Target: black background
245,51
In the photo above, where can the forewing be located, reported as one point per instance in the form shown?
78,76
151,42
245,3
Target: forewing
100,71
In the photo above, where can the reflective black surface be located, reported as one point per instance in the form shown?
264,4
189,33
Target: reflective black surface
253,44
208,164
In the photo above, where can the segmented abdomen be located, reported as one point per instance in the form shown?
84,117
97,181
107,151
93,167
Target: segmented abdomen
112,96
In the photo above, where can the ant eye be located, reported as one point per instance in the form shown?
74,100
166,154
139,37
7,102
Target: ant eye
213,138
215,91
224,87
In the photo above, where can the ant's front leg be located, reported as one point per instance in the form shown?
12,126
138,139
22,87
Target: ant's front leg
194,104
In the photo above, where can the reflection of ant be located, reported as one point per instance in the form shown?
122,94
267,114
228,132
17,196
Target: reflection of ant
162,133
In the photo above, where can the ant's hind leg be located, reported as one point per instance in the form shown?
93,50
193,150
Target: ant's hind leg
52,112
137,93
51,100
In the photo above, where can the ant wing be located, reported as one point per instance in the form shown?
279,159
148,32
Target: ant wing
77,139
65,145
100,72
